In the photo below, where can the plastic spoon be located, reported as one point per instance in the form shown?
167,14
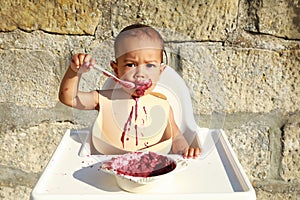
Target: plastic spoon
126,84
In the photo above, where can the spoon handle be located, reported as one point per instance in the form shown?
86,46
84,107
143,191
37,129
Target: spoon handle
101,69
109,74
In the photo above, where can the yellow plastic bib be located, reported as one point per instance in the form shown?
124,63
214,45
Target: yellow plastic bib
125,125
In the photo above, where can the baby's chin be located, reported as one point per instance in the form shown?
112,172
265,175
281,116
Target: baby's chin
138,93
135,93
141,88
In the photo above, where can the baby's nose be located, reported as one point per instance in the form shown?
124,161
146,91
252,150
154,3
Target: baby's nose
139,72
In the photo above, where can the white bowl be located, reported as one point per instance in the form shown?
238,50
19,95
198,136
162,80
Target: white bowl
132,177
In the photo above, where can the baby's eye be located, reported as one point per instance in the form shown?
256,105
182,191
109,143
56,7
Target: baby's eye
130,65
150,65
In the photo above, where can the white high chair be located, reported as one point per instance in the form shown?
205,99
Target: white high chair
73,171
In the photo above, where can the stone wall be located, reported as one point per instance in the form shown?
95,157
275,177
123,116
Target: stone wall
240,58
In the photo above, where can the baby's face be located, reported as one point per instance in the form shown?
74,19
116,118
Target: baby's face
140,66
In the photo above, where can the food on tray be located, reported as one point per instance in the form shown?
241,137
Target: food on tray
140,164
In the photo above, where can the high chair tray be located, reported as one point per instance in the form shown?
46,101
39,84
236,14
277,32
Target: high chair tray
69,175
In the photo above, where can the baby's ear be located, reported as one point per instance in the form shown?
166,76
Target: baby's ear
114,66
162,67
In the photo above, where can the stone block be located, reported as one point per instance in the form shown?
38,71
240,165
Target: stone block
63,17
279,18
30,149
33,66
199,20
259,80
290,164
247,40
15,193
28,79
213,20
239,80
263,195
277,189
251,143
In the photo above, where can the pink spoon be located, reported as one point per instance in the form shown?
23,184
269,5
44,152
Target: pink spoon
126,84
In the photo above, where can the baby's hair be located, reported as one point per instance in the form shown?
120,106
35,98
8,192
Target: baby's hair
140,31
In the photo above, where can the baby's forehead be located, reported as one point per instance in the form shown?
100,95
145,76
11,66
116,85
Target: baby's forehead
131,44
137,39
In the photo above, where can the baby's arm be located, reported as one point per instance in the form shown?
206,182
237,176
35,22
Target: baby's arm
179,143
68,92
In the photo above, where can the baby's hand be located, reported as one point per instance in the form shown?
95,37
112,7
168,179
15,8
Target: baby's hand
191,152
82,63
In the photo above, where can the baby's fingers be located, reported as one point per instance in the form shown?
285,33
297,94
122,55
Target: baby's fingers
82,62
192,153
83,58
197,152
88,59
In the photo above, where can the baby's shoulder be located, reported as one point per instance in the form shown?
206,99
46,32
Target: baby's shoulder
159,95
113,94
157,98
105,93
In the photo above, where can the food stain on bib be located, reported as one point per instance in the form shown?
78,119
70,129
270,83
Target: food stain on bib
128,123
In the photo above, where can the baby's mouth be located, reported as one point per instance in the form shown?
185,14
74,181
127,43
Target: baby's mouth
142,86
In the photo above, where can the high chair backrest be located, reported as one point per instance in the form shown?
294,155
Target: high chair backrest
177,93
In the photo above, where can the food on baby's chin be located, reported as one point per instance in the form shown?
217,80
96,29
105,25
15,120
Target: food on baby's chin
141,87
141,164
